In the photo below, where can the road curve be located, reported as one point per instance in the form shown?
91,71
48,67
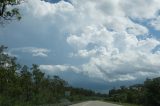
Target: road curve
95,103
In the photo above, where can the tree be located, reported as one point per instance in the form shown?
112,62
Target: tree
152,92
38,78
26,83
8,78
7,12
24,86
8,67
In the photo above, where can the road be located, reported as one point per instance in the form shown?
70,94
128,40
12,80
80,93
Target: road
94,103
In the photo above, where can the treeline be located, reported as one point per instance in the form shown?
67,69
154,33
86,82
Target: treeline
147,94
24,86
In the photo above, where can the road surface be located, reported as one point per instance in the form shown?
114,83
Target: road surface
94,103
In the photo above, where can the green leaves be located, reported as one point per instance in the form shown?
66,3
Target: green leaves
8,14
24,86
147,94
152,94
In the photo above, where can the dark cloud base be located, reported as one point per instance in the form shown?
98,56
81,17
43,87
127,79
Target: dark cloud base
82,81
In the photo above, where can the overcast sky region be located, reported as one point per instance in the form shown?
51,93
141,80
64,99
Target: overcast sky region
95,44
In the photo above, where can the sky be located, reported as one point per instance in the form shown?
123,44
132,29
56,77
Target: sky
95,44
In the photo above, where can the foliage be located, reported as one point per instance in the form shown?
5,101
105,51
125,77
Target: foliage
147,94
8,10
152,92
24,86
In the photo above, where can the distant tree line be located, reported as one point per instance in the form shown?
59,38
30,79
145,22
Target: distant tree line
147,94
24,86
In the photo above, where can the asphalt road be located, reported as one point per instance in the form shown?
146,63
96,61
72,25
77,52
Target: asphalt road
94,103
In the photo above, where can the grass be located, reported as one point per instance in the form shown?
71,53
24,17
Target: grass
123,104
126,104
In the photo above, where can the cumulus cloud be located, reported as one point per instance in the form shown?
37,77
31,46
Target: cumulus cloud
40,52
56,68
107,34
156,23
141,9
116,56
123,56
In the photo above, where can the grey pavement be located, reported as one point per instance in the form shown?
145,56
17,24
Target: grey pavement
95,103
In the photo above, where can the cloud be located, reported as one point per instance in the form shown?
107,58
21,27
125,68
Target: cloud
56,68
156,23
144,9
109,37
116,56
35,52
123,54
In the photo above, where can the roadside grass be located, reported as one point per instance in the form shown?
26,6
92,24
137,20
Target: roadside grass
126,104
123,104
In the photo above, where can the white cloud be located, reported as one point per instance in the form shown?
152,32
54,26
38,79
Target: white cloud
137,29
43,8
56,68
103,32
90,53
156,23
115,56
40,52
92,34
142,9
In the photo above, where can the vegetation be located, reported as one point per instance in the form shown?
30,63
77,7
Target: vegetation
147,94
24,86
8,11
